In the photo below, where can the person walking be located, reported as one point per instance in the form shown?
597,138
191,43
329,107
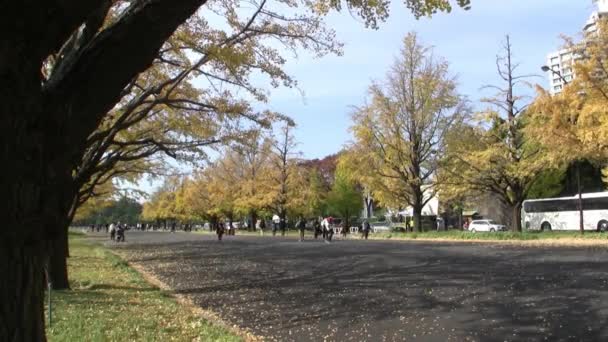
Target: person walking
120,232
301,225
112,230
276,220
328,232
317,228
261,225
324,223
365,229
283,226
220,231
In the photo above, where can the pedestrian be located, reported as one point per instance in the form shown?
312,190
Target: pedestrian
120,232
317,227
276,220
173,227
366,228
328,232
324,223
92,228
301,225
112,230
283,226
220,231
261,225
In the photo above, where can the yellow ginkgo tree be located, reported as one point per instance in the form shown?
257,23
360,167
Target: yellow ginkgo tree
494,157
573,124
399,134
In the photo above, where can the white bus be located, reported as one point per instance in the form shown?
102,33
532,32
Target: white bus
562,213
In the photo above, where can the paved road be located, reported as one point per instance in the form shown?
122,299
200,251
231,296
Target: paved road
385,291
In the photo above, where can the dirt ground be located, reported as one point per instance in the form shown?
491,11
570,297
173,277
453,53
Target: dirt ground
355,290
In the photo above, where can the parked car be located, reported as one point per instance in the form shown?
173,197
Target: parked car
486,226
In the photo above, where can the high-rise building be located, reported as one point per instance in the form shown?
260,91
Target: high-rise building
561,61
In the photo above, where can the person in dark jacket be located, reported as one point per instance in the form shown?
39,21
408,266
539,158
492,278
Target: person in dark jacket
220,231
276,220
317,228
365,227
301,225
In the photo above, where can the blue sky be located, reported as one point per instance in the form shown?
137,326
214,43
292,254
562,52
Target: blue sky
469,40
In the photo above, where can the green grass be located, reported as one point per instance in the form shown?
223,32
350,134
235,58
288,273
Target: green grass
110,301
464,235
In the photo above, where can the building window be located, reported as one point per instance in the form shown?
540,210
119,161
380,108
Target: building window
554,60
568,78
557,88
555,67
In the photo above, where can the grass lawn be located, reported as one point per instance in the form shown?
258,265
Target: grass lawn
452,235
110,301
465,235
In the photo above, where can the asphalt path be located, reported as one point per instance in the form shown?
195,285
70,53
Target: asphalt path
353,290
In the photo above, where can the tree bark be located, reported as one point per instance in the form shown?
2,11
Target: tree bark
368,206
254,219
59,252
516,217
417,218
22,292
45,124
58,266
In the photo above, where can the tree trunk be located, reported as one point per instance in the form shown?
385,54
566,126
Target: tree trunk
417,208
516,217
460,219
58,266
59,252
254,219
368,206
22,292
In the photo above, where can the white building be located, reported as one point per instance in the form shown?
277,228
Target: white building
560,62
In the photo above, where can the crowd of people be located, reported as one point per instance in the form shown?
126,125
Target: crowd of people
321,227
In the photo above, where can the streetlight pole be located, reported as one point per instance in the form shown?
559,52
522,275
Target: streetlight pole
578,166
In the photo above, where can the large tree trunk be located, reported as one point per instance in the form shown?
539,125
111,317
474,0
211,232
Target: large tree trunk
58,266
22,292
59,252
44,126
36,181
